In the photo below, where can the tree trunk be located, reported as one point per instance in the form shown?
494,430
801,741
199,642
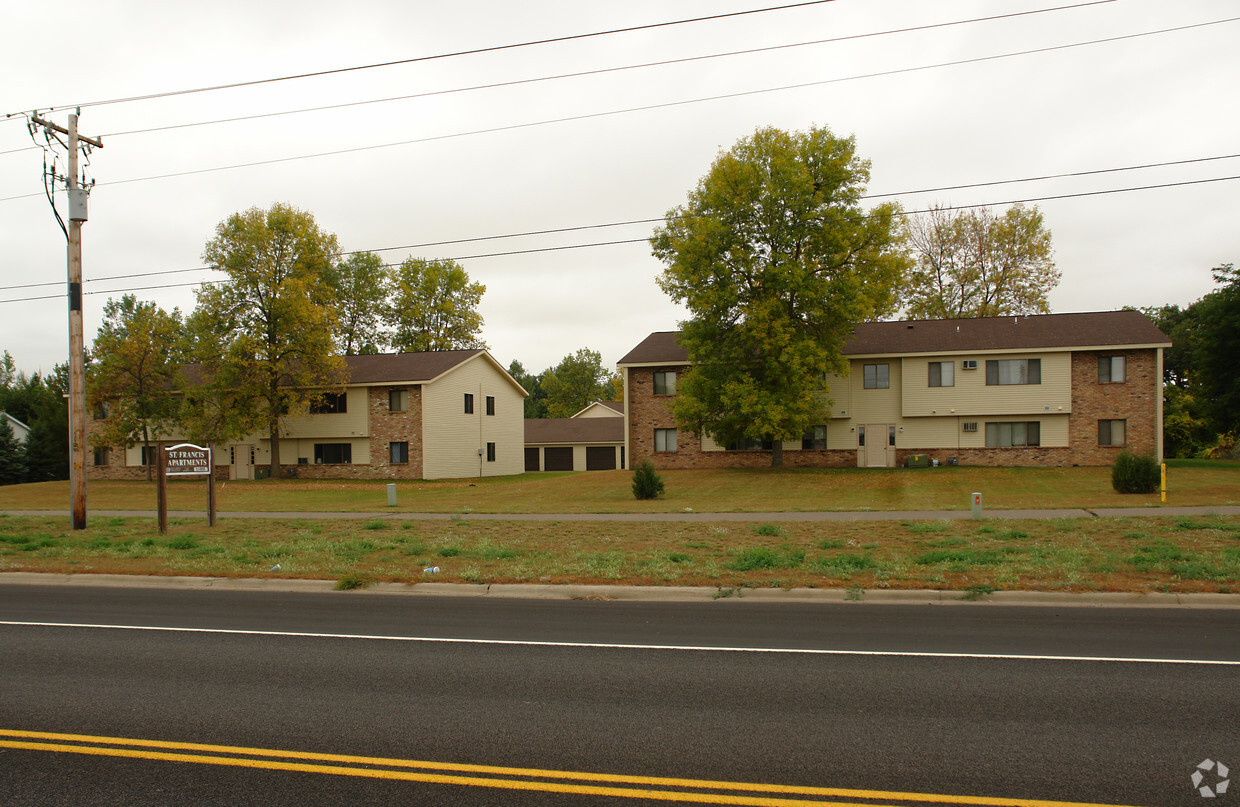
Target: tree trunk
275,450
146,443
777,454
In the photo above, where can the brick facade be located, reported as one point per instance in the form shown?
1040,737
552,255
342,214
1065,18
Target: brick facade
1135,400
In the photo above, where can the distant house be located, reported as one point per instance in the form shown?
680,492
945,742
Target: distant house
591,440
1056,389
434,415
20,430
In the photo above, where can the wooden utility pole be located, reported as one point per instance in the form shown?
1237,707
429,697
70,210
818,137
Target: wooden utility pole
77,345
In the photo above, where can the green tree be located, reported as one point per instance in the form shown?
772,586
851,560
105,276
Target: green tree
135,364
1216,347
266,336
777,263
973,263
576,382
12,456
361,282
434,306
39,402
536,401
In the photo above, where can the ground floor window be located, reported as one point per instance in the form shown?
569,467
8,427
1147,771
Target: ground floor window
149,454
333,453
664,439
101,456
398,453
490,452
751,444
814,437
1112,432
1008,435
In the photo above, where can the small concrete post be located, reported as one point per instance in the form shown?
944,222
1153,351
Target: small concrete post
391,488
977,505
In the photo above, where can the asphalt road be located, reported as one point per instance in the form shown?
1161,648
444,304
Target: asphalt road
1070,704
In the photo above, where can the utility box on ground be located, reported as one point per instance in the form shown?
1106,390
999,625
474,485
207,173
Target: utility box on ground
918,461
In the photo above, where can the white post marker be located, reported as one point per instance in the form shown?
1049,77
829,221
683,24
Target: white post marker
977,505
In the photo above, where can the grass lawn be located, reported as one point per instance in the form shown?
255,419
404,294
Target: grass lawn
974,557
1190,482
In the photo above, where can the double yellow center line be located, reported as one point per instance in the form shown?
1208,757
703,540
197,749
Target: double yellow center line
693,791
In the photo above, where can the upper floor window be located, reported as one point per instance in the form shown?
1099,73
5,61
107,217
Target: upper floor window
877,376
665,383
331,403
398,400
814,437
490,404
942,373
469,403
1013,371
101,410
1111,369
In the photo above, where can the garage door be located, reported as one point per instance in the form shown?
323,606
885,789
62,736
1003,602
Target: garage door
600,458
558,459
531,459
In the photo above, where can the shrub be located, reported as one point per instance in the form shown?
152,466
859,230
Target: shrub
646,481
1134,473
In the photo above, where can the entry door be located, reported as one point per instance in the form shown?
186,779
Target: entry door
243,462
876,438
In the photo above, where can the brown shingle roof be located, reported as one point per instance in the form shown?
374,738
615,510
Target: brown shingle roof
574,430
1095,329
392,367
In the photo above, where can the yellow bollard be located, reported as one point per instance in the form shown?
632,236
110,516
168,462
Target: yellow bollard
1164,482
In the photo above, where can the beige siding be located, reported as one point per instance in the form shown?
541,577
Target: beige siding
839,391
452,439
597,410
874,405
971,396
354,422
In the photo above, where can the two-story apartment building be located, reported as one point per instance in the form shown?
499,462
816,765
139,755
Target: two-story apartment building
1055,389
434,415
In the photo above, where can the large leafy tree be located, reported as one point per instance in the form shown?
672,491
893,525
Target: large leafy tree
266,336
974,263
12,456
136,359
536,402
777,262
362,284
39,401
1216,347
434,306
576,382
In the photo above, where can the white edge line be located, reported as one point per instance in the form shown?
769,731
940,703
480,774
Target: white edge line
610,646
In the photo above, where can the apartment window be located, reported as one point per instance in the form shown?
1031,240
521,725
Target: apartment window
101,411
398,453
877,376
1009,435
150,454
1111,369
490,452
750,444
942,373
332,403
101,457
664,439
665,383
328,453
490,404
398,400
469,403
814,437
1013,371
1112,432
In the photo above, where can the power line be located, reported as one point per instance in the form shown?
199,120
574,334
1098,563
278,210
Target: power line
1054,197
602,71
453,54
630,222
650,107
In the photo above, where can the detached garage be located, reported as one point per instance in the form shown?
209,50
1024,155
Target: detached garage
574,444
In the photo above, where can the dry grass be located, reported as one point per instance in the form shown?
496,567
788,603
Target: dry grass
761,490
1145,554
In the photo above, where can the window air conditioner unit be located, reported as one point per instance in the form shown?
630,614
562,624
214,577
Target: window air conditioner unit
968,364
969,427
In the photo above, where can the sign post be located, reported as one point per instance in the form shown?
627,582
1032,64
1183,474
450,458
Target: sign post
184,459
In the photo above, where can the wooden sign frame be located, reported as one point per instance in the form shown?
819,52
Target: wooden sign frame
188,465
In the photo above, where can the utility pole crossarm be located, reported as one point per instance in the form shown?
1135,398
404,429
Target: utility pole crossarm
97,142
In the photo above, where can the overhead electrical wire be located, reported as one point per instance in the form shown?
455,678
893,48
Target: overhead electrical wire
449,55
600,71
1053,197
649,107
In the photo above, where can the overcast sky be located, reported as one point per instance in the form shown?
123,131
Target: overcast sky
463,162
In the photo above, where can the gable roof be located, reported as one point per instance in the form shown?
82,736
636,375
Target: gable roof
615,408
574,430
1098,329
